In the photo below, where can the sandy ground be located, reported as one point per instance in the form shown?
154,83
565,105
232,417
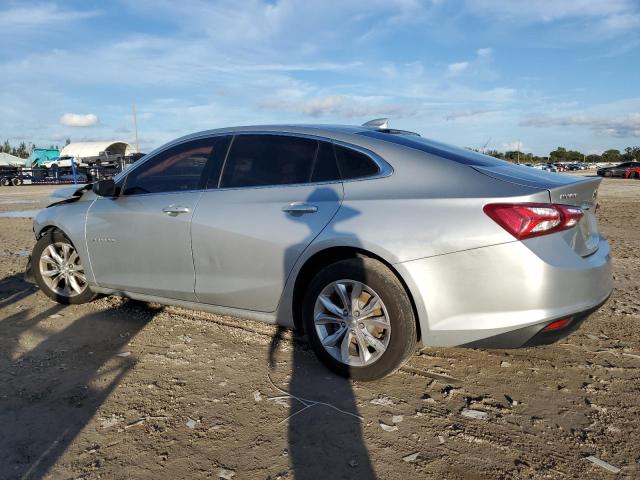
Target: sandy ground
119,389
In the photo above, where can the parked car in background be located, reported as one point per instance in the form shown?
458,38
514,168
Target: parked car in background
576,166
369,239
62,162
616,171
547,167
633,172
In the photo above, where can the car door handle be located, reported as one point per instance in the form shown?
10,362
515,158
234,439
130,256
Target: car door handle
299,207
173,210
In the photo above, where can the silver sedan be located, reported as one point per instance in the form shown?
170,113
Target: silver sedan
371,240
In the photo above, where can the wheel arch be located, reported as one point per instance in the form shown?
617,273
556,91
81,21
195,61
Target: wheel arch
315,262
48,228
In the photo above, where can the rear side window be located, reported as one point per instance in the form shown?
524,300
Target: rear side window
176,169
353,164
260,160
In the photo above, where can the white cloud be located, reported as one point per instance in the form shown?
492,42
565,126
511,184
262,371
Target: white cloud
612,126
464,114
457,68
514,146
42,14
549,10
620,23
79,120
481,66
339,106
609,16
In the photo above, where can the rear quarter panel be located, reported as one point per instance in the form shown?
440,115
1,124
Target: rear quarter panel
428,206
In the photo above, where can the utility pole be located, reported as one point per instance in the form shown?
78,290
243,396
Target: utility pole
518,161
135,127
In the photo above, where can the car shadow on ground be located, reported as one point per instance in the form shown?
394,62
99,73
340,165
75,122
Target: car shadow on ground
50,392
324,428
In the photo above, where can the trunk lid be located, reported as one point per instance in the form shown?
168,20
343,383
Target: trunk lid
563,189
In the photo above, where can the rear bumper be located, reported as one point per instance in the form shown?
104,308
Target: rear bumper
504,295
535,335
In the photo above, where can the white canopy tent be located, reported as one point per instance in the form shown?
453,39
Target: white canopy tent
8,160
93,149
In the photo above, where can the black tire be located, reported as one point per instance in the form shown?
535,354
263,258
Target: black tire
51,237
607,174
16,182
5,182
403,336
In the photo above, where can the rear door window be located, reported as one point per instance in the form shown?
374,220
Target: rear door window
262,160
325,167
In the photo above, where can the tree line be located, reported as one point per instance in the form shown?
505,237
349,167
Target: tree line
21,150
562,155
559,155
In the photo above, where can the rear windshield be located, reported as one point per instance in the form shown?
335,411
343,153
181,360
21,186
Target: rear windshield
460,155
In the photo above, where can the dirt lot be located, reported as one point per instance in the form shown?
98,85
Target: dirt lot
119,389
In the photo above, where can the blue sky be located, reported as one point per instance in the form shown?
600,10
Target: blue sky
497,72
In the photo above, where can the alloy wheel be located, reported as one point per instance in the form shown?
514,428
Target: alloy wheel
352,322
62,270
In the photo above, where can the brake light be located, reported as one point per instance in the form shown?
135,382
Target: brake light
526,220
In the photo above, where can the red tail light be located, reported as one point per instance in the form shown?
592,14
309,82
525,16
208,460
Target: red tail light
526,220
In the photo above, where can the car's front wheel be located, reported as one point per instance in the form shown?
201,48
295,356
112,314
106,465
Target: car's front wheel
58,270
359,319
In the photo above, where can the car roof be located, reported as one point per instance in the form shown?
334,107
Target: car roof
324,130
369,137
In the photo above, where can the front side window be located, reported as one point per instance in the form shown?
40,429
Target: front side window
177,169
261,160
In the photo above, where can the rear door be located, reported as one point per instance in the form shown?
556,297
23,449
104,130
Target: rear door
275,195
140,241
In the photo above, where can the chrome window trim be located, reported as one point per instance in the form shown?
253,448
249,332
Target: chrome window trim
384,168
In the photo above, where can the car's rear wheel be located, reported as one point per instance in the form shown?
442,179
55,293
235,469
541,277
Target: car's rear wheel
359,319
58,270
5,182
16,182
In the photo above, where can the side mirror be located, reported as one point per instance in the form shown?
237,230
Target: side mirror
105,188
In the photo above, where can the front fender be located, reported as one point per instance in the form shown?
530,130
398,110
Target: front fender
70,219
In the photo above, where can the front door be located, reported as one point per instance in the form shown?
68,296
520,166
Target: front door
140,241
